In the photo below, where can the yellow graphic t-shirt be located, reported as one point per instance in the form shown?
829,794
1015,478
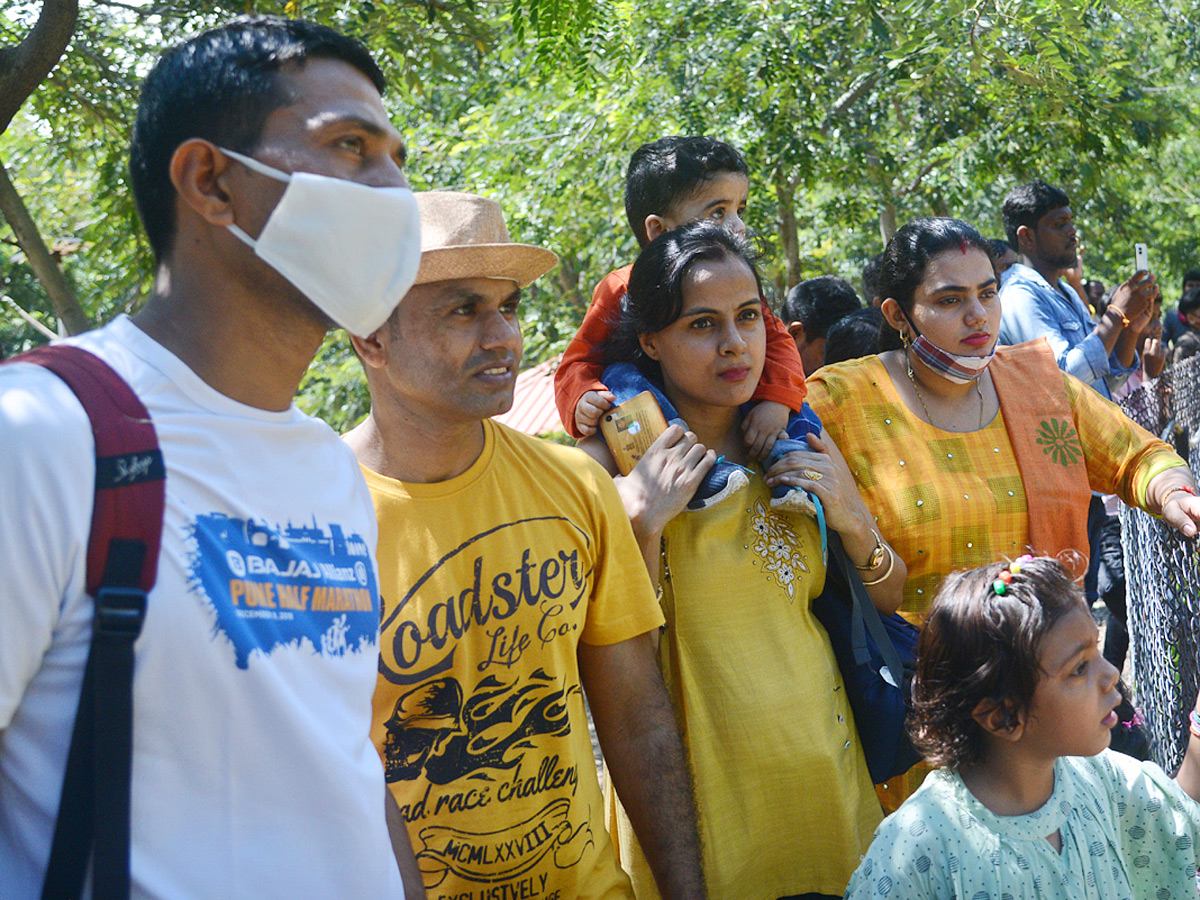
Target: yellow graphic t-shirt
489,582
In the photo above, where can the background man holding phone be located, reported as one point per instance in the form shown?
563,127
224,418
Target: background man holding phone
1037,301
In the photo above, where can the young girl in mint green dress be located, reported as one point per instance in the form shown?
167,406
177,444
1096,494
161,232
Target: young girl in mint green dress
1015,702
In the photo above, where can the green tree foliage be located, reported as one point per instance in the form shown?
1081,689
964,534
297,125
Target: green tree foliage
854,114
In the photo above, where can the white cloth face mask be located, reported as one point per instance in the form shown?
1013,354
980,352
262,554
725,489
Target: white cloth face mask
353,250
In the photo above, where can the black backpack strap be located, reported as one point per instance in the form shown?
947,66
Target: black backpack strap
865,617
122,564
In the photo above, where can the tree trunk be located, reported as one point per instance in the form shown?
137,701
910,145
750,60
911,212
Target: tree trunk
62,297
23,67
785,193
568,280
887,213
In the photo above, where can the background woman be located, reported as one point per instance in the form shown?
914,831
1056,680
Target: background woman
785,804
964,457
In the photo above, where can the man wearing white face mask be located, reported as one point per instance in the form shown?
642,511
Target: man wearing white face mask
252,770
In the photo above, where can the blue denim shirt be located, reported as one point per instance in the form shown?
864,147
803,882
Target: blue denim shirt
1033,309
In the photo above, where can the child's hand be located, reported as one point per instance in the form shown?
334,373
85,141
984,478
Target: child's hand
762,426
588,410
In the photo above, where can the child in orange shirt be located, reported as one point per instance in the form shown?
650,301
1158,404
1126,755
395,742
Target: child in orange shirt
670,182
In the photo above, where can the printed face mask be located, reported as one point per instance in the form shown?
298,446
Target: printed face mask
353,250
951,366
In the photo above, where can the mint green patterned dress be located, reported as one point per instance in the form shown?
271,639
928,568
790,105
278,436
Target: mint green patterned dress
1129,832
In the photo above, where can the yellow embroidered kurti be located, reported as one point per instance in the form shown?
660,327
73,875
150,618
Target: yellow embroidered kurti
784,800
946,500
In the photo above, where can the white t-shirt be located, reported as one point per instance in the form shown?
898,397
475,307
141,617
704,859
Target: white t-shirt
253,771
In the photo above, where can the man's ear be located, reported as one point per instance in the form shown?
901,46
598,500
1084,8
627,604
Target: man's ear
648,345
1024,239
990,716
655,225
796,330
894,315
199,172
374,349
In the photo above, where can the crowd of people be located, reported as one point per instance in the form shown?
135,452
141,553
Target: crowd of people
362,667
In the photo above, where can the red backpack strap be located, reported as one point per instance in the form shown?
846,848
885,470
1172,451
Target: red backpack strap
129,467
122,563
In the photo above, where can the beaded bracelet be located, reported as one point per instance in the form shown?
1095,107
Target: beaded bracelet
1194,722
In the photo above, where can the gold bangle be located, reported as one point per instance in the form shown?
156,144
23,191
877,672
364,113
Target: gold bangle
1124,318
875,559
891,565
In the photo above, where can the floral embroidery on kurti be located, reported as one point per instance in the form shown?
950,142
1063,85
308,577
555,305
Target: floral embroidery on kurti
775,544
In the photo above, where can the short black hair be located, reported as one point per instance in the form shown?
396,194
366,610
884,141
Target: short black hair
663,172
870,278
854,336
654,298
999,246
220,86
980,646
1025,205
1189,275
1190,301
909,252
817,303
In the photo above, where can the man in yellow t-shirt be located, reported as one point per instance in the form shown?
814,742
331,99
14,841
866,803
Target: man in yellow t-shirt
511,586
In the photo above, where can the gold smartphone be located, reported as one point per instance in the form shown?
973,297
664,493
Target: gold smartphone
630,429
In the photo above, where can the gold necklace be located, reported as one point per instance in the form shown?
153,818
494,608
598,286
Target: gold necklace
917,391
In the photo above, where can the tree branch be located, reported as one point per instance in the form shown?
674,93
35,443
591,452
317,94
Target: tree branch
855,92
37,325
925,170
62,297
142,12
23,67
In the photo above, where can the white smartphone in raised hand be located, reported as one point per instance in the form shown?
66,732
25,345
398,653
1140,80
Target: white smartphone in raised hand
1141,258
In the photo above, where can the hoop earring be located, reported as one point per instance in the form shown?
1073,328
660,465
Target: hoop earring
904,339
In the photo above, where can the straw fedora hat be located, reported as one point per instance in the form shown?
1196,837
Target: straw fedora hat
463,236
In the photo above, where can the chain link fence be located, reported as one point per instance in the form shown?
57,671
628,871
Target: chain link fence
1163,574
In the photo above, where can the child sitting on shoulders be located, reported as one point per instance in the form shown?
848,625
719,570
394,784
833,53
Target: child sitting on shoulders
670,182
1013,698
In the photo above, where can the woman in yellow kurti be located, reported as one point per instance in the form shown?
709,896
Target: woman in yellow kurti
785,805
963,457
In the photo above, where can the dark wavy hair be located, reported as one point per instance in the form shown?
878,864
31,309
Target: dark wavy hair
909,252
654,298
977,645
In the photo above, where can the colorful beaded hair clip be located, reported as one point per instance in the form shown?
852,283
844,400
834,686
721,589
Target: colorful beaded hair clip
1000,585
